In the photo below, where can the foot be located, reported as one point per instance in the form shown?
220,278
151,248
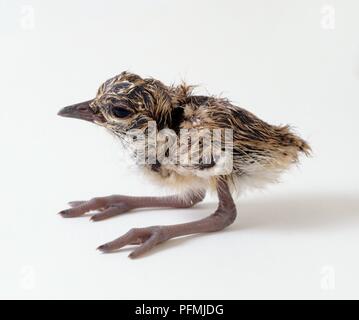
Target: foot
149,237
107,207
111,206
146,238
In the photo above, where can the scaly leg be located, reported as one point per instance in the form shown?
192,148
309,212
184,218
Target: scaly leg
151,236
114,205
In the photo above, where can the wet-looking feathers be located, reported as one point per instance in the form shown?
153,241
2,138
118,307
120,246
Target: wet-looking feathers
260,151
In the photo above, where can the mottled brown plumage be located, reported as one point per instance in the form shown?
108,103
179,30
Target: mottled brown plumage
260,151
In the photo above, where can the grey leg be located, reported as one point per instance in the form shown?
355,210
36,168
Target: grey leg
114,205
149,237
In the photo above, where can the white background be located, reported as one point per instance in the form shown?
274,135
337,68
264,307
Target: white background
293,62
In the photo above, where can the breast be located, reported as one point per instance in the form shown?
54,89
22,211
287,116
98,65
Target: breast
177,179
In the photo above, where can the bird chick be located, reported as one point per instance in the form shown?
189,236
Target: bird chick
185,141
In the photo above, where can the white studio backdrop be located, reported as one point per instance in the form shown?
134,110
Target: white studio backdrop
294,62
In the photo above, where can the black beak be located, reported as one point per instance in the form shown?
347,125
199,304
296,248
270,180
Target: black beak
80,111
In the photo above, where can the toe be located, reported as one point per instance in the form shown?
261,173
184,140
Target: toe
120,242
103,248
74,204
113,211
147,246
66,213
71,213
79,208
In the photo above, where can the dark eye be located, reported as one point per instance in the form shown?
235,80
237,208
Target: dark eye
120,112
121,86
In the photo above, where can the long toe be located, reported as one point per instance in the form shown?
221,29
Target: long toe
146,237
112,211
79,208
74,204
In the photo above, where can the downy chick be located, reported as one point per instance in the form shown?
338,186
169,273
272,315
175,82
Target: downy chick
254,154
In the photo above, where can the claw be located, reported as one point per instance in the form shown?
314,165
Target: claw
68,214
102,248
